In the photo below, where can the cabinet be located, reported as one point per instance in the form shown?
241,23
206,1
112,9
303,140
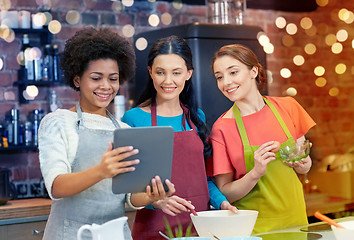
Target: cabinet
23,231
42,37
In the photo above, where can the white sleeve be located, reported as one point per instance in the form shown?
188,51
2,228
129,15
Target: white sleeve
53,152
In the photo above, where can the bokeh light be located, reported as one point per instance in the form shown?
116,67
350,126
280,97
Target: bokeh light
177,4
306,23
1,64
4,31
11,36
310,48
263,39
285,73
128,30
322,3
333,92
319,71
280,22
340,68
72,17
20,58
32,91
268,48
291,91
166,18
48,17
330,39
36,53
269,76
154,20
288,40
54,26
117,6
321,82
39,19
311,31
141,44
5,5
337,48
128,3
342,35
291,29
349,17
299,60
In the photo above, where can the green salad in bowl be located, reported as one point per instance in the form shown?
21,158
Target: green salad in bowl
295,153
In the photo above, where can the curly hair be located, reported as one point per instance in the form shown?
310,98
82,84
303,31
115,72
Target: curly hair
92,44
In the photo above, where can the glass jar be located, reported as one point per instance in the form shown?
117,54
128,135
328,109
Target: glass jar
226,11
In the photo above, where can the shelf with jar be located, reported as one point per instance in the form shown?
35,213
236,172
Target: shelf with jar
39,65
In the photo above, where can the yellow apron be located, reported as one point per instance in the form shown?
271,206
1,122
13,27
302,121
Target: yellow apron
278,195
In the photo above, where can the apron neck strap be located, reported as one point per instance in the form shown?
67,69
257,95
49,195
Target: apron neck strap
185,112
81,119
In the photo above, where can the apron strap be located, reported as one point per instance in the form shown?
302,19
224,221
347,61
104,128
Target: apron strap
80,121
185,112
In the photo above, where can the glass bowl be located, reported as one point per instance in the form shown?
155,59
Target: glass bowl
295,153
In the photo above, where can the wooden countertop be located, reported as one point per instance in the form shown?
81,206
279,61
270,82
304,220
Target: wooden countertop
326,204
25,208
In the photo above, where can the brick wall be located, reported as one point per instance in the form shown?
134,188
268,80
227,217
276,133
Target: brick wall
334,116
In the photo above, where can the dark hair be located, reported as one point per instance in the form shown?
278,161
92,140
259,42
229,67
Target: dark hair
245,56
92,44
176,45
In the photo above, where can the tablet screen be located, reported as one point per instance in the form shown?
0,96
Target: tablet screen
155,146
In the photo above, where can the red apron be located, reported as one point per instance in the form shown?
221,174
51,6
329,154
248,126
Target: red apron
189,178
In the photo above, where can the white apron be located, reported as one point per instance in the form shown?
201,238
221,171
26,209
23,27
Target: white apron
96,204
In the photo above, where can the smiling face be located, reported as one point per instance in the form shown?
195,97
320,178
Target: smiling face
98,85
235,80
169,74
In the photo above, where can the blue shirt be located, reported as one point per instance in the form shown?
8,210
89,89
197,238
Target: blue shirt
136,117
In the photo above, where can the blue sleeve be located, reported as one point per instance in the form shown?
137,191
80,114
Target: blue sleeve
201,115
216,197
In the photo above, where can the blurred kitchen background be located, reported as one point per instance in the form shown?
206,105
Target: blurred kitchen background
307,47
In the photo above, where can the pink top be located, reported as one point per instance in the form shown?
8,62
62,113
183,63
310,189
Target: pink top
261,127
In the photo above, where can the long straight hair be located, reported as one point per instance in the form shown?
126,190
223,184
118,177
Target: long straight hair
176,45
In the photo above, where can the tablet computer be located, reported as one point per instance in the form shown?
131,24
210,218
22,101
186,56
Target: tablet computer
155,146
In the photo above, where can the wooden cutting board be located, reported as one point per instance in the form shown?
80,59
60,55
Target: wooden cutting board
25,208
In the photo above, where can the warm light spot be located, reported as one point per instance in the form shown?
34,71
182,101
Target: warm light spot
154,20
319,71
54,26
128,30
352,70
306,23
9,96
269,48
298,60
340,68
1,64
26,96
39,19
322,28
5,5
128,3
330,39
29,54
321,82
349,17
287,40
343,14
285,73
310,48
263,39
117,6
20,58
152,1
342,35
73,17
36,53
166,18
141,44
32,91
11,37
291,28
311,31
291,91
337,48
280,22
322,3
353,43
333,92
177,4
4,31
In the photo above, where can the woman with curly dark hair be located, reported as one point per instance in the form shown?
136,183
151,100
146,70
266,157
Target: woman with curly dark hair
76,153
168,100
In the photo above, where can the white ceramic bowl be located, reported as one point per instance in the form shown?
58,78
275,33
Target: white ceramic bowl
224,223
344,234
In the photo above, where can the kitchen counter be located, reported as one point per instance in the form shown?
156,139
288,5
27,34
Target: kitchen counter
282,234
24,209
326,204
